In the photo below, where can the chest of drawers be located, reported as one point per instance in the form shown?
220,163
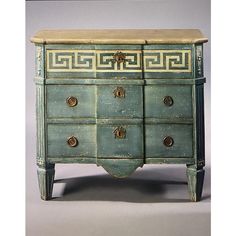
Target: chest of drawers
120,99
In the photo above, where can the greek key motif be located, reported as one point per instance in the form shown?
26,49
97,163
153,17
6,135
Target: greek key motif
70,60
106,62
164,60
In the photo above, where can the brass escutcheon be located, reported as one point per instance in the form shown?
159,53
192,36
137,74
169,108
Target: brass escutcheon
119,57
120,132
119,92
168,101
168,141
72,141
71,101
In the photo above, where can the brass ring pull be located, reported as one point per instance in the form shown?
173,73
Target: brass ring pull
119,57
168,101
72,141
168,141
119,92
71,101
120,132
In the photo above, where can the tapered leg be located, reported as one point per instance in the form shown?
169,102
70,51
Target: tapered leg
195,182
45,179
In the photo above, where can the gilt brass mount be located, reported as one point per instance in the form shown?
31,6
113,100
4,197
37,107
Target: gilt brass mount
71,101
168,141
119,57
119,92
168,101
72,141
120,132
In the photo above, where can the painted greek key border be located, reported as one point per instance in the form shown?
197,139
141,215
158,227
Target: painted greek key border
164,60
70,60
132,63
161,60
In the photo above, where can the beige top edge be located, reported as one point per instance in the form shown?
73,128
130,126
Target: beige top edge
120,36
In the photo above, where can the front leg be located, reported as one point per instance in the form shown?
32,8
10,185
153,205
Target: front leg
195,182
45,179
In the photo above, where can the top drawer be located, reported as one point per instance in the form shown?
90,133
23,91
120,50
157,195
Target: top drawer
168,61
93,61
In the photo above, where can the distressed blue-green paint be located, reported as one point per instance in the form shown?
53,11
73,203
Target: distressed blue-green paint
120,74
129,106
71,74
74,159
171,160
71,120
58,135
154,104
174,81
142,113
45,180
90,81
195,182
57,106
120,168
129,147
181,133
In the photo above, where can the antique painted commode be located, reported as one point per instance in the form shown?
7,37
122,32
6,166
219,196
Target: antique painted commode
120,99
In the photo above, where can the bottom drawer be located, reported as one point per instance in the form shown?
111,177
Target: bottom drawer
120,141
71,140
169,140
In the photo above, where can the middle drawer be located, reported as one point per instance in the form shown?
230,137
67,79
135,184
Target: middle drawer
168,101
70,101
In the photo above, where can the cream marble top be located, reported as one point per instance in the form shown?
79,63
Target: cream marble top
120,36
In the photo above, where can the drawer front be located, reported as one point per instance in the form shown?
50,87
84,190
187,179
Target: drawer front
124,101
71,140
70,61
168,61
70,101
120,141
94,61
169,140
168,101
